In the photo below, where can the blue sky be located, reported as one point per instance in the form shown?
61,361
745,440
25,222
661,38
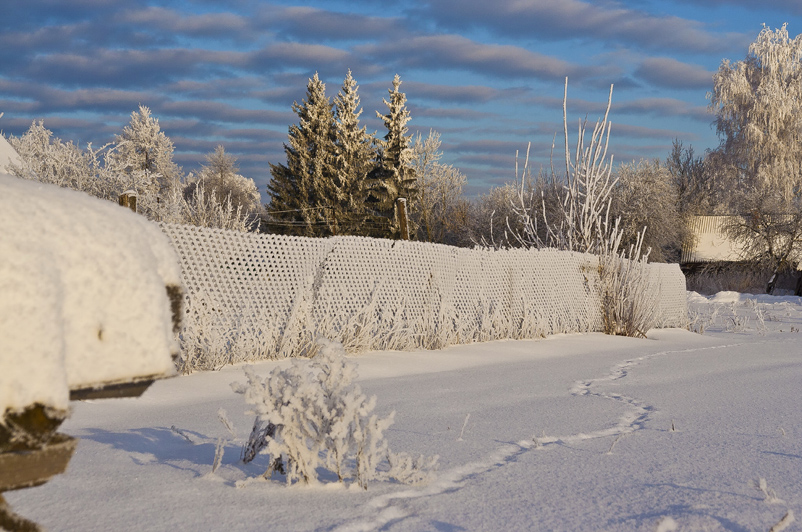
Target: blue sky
487,74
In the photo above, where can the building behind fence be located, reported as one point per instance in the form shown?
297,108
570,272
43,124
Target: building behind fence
255,296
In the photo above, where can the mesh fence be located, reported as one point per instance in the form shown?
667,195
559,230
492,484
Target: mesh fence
251,296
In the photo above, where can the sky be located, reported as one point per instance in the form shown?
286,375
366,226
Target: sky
488,76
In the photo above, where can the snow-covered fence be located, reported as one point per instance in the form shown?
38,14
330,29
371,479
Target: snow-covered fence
262,296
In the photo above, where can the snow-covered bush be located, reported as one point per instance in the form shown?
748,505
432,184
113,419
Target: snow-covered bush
311,415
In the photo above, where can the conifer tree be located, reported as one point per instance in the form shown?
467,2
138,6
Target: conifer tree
354,160
298,190
394,178
144,155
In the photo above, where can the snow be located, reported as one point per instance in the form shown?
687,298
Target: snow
83,294
7,155
573,432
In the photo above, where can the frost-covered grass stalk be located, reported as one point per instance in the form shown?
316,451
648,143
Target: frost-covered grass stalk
311,415
628,302
583,224
212,337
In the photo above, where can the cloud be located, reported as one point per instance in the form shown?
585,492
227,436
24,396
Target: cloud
223,112
44,99
662,107
310,23
443,52
311,57
670,73
760,7
460,93
206,25
125,68
450,113
576,19
642,132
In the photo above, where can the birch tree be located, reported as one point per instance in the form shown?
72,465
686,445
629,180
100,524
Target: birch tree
758,107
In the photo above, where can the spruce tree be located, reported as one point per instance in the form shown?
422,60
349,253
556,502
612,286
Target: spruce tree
144,155
299,191
354,160
394,178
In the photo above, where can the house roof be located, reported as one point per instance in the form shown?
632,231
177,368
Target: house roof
709,242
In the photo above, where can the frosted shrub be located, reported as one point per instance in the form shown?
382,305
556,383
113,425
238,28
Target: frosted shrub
311,415
628,305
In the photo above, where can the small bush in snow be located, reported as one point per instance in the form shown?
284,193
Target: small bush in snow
628,306
311,415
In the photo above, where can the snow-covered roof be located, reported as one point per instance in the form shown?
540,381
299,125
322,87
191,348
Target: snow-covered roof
7,155
709,242
83,299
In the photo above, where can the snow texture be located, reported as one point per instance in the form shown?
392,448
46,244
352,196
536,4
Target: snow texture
8,155
276,287
573,432
83,294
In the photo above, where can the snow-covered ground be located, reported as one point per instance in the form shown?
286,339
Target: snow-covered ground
573,432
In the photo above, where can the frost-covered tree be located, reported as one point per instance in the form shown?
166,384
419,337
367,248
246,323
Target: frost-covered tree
207,209
219,175
297,190
394,178
645,195
440,209
46,158
354,159
758,107
144,155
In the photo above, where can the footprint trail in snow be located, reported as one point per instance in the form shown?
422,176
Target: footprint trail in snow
393,507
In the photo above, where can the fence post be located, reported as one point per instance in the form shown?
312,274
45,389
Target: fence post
128,199
401,204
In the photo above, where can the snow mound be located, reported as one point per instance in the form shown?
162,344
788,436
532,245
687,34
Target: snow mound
83,300
737,297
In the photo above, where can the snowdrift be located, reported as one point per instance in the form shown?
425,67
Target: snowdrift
83,295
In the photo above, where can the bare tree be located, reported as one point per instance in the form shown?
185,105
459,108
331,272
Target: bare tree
583,224
769,233
582,221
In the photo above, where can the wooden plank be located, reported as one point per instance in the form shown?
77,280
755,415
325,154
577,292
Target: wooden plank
24,469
